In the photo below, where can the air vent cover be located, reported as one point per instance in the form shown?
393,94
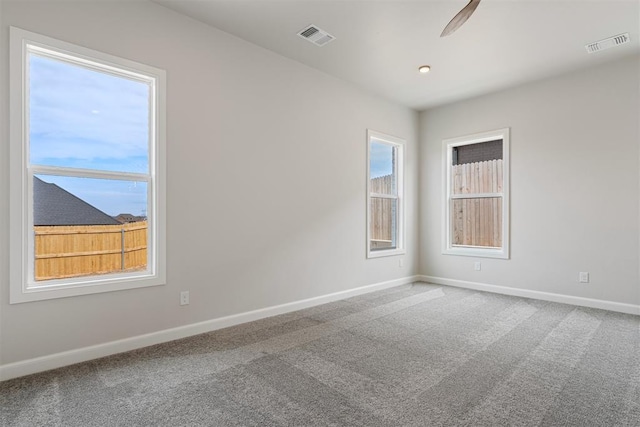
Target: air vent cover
608,43
315,35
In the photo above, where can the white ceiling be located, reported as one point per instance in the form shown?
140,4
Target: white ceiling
380,44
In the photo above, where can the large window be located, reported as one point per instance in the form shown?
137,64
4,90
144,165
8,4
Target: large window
477,195
385,201
87,171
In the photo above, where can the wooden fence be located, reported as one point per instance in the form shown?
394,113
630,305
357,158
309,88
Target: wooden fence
81,250
382,213
477,221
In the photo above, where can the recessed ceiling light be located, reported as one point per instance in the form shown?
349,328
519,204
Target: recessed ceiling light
424,69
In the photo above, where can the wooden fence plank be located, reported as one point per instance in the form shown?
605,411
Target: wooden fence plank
381,221
72,251
477,221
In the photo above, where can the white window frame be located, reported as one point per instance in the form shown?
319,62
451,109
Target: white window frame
23,287
447,233
399,144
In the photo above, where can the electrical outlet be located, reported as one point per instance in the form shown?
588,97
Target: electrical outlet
477,266
400,263
583,277
184,298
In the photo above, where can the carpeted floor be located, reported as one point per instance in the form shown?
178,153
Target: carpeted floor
415,355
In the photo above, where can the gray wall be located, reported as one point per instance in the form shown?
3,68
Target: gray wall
574,183
266,179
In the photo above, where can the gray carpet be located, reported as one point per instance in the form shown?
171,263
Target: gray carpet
415,355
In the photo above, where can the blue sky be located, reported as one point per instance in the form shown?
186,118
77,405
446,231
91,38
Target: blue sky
82,118
111,197
381,159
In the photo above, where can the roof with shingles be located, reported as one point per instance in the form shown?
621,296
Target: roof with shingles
53,205
127,217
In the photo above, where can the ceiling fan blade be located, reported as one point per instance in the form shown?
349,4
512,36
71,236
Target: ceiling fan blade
460,18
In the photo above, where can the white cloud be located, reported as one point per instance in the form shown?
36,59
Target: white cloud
81,114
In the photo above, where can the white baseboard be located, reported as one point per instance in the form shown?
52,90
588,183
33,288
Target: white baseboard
546,296
58,360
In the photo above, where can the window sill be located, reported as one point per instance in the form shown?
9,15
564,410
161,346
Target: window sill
86,287
384,253
499,253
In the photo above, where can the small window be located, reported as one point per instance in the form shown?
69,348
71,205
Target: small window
87,176
385,197
477,195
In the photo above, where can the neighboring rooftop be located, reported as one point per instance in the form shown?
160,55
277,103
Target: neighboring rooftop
53,205
127,217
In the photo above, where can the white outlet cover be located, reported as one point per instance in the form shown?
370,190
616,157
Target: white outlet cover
583,277
184,298
477,266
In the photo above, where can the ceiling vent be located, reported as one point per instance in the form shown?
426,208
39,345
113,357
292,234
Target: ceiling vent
316,36
607,43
